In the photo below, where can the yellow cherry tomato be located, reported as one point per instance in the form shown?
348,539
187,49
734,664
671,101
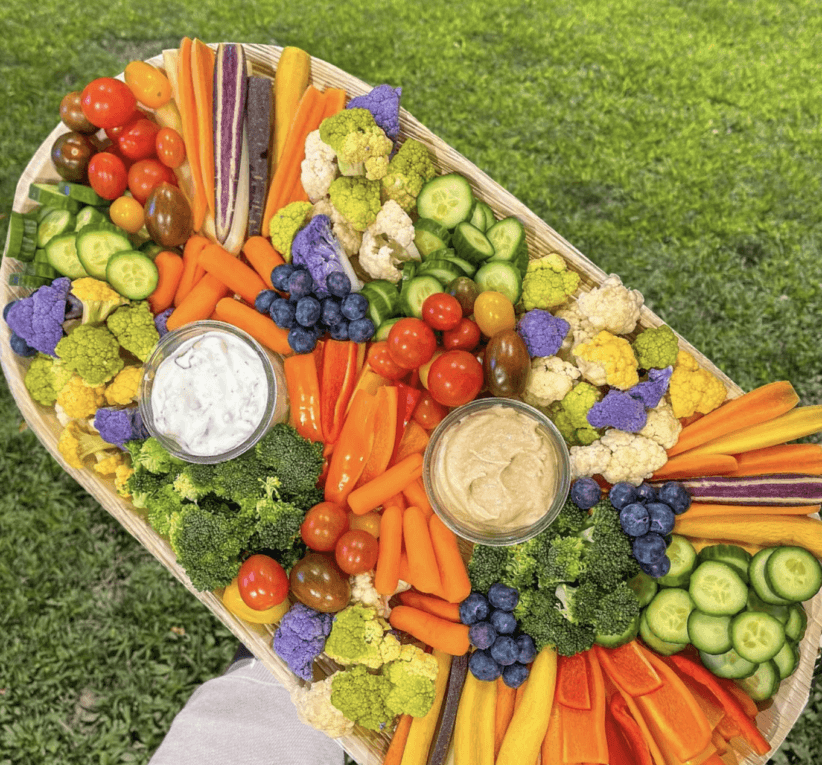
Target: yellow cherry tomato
494,313
234,603
424,369
127,213
369,522
149,85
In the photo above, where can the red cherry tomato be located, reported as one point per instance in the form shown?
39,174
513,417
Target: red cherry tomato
411,343
429,413
441,311
323,525
465,336
381,362
107,175
356,552
138,139
113,133
170,147
107,102
262,582
144,176
455,378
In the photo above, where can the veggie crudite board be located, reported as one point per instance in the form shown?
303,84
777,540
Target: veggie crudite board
369,746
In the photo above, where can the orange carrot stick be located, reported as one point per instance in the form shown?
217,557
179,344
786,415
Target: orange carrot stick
334,101
405,572
260,327
439,633
415,494
695,465
397,746
188,115
191,254
202,76
398,500
237,276
387,573
503,713
705,509
263,257
422,560
170,271
199,303
374,493
783,458
430,604
453,574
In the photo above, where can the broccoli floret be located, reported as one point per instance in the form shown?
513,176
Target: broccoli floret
523,563
539,616
154,458
161,506
616,610
194,481
241,479
487,566
609,558
133,326
278,525
571,520
295,460
142,484
564,561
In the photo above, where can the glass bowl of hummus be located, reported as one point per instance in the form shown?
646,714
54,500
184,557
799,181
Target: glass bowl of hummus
497,471
210,391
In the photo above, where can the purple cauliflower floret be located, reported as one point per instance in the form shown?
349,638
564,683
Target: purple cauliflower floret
542,332
650,393
317,248
384,103
301,637
161,321
618,410
116,426
38,319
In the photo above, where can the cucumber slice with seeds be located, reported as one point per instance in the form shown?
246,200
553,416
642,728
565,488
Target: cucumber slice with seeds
55,223
470,243
729,665
736,557
502,277
717,589
132,274
759,580
755,603
96,244
787,660
89,216
444,271
763,683
711,634
662,647
683,559
447,199
668,615
429,236
62,254
508,238
482,216
793,573
757,636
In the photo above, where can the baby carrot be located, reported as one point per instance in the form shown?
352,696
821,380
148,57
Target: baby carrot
503,713
430,604
170,271
372,494
422,561
432,630
260,327
263,257
405,573
199,303
398,500
415,494
237,276
388,561
453,574
190,276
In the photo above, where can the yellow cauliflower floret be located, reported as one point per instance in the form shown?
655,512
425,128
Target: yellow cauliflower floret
125,387
75,444
108,464
608,360
121,475
694,389
79,400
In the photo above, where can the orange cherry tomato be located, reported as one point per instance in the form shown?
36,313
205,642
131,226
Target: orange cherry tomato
127,213
170,147
494,313
149,85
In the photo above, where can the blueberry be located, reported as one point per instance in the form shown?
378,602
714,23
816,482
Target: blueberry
308,311
302,340
527,649
646,493
503,621
622,494
7,308
515,675
483,667
361,330
649,548
264,299
279,276
503,597
20,346
331,312
676,496
482,634
338,284
74,308
585,493
339,331
354,306
300,284
283,312
505,650
662,518
634,519
658,569
474,609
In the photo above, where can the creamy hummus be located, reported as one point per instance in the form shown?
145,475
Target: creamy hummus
496,468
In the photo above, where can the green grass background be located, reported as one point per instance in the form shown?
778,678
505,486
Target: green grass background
677,144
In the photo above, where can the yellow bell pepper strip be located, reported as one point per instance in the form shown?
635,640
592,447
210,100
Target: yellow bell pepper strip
583,730
573,683
352,450
423,728
626,742
629,669
474,728
304,395
233,601
337,384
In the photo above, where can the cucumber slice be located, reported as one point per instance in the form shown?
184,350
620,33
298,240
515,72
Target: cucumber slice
89,216
482,216
757,636
470,243
55,223
729,665
444,271
501,277
614,641
737,557
468,269
29,281
48,194
83,194
763,683
711,634
793,573
759,580
38,268
443,253
132,274
22,241
62,254
96,244
384,328
662,647
797,622
717,589
383,300
787,660
415,291
755,603
429,236
152,249
508,238
447,199
644,587
683,559
668,614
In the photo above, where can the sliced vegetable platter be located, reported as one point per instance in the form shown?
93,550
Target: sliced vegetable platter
365,746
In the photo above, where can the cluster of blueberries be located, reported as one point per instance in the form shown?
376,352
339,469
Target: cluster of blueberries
491,627
308,314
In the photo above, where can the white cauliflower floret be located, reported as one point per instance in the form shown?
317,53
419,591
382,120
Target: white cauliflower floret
362,591
662,426
612,306
314,708
549,380
348,236
62,417
581,329
387,242
319,168
630,457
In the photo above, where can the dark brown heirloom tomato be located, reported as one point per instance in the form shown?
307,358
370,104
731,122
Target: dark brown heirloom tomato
168,216
506,364
465,290
70,154
317,581
71,112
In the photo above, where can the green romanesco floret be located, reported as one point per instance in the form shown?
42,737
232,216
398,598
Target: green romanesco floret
408,171
125,387
412,676
44,379
357,199
195,481
360,636
97,297
133,326
548,282
540,617
362,147
162,505
656,348
152,456
570,415
294,460
79,400
91,351
285,224
361,697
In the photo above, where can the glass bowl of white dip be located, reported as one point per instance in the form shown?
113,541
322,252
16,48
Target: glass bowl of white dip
497,471
210,391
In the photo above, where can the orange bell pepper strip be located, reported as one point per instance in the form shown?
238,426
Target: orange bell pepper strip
352,450
626,742
629,669
573,684
304,395
337,384
385,428
583,730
